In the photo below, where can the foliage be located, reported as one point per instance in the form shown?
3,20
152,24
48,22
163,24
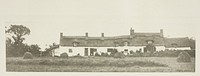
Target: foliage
183,57
97,54
16,50
131,52
135,54
104,54
112,52
14,44
173,53
119,55
49,51
28,55
35,50
191,52
166,53
64,55
19,50
17,32
9,47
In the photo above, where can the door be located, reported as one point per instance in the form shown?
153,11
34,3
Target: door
86,51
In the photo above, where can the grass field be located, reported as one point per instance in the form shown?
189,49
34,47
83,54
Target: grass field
98,64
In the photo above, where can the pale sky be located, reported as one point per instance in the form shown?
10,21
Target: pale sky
47,18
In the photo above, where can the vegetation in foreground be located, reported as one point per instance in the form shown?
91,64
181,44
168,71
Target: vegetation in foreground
98,64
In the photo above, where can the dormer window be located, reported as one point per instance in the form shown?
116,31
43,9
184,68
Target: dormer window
125,43
75,44
149,41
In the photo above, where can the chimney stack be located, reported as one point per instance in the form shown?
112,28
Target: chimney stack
86,34
102,34
61,34
161,32
131,31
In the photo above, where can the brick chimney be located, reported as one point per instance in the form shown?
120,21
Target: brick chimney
102,34
61,34
131,31
161,32
86,34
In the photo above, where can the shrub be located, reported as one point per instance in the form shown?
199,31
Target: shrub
64,55
104,54
183,57
28,55
135,55
96,54
131,52
119,55
168,53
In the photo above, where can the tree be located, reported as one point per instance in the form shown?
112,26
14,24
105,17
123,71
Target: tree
17,32
50,51
35,50
9,47
14,45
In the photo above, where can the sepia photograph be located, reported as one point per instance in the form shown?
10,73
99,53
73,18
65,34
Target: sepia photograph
100,36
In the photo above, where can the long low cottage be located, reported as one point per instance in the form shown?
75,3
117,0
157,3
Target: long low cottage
135,41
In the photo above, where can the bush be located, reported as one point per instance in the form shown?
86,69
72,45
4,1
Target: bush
135,55
168,53
28,55
119,55
96,54
64,55
183,57
104,54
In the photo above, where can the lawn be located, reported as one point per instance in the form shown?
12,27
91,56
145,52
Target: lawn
98,64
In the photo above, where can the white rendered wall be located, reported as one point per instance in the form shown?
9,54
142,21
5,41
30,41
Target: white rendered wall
75,51
81,50
159,48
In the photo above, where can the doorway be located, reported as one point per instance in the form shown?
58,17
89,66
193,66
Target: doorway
86,52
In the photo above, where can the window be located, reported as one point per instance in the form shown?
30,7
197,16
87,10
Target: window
112,50
125,43
75,44
109,50
70,51
149,41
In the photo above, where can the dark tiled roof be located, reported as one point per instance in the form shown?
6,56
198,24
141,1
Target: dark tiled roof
179,42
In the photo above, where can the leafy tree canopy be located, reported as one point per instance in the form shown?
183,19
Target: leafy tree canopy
17,32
